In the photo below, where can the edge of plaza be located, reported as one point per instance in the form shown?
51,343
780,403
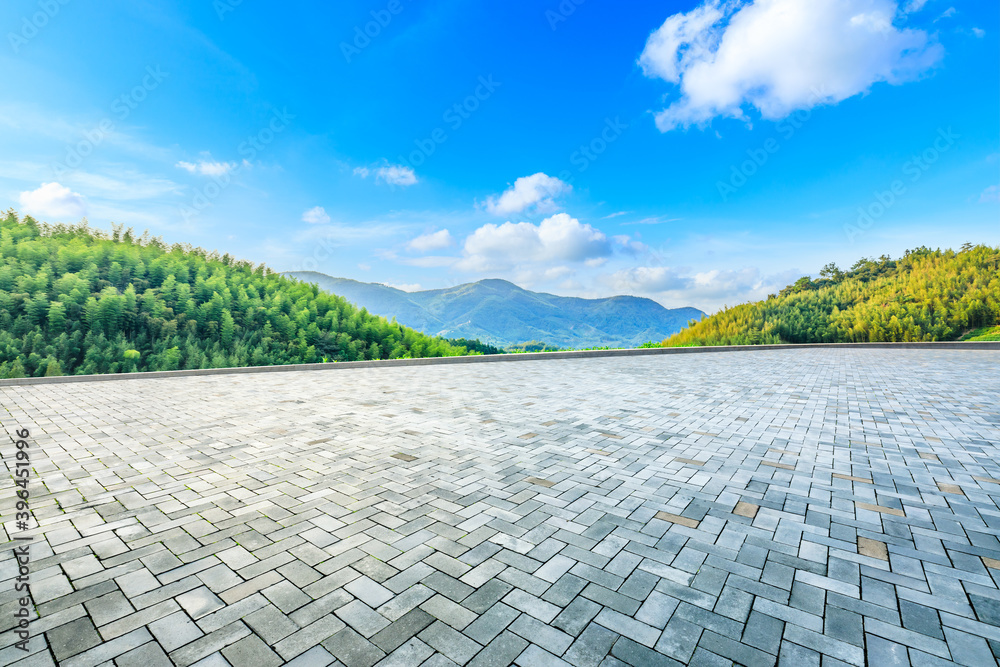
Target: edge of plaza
529,356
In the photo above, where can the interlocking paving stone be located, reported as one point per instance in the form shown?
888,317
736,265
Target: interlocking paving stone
803,507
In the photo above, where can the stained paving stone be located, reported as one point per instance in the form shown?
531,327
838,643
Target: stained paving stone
676,518
873,548
746,509
802,507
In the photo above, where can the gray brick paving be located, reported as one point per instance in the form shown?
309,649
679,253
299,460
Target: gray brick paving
822,506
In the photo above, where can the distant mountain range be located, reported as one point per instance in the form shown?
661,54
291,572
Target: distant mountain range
501,313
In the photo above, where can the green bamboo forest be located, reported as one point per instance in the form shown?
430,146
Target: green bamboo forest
925,295
75,300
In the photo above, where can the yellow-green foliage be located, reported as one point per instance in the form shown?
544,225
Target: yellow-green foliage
925,295
75,300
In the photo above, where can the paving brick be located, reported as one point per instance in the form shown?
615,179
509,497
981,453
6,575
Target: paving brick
529,604
401,630
450,642
491,623
103,653
72,638
174,631
590,648
270,624
147,655
500,652
362,618
352,649
252,652
551,639
199,602
577,616
623,625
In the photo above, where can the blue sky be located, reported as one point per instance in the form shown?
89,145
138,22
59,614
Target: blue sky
698,153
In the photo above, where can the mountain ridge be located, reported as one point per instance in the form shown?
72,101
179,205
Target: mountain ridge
501,313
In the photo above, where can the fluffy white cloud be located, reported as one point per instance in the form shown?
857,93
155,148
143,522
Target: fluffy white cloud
990,194
407,287
55,202
557,238
207,167
316,216
780,56
392,174
433,241
538,191
708,290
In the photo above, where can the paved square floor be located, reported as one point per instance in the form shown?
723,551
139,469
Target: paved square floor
808,507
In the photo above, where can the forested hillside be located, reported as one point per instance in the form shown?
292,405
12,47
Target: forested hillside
74,300
502,314
923,296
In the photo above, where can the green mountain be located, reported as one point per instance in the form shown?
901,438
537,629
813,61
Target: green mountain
74,300
501,313
925,295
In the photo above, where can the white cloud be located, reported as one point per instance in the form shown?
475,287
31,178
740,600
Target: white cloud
979,32
990,194
630,246
207,167
407,287
433,241
393,174
557,238
779,56
647,279
316,216
707,290
914,6
53,201
538,191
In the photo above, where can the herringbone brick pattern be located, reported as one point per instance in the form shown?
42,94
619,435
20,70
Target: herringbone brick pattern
802,507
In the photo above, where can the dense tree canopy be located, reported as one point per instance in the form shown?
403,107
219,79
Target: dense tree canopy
75,300
925,295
